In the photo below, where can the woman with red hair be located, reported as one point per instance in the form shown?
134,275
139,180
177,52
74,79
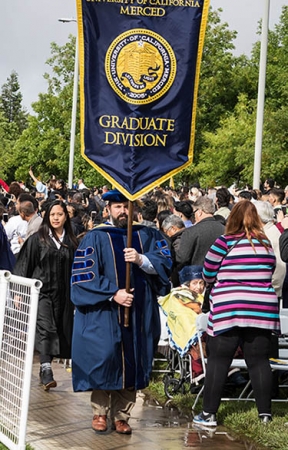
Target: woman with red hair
243,309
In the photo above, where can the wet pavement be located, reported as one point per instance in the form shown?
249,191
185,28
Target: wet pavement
61,419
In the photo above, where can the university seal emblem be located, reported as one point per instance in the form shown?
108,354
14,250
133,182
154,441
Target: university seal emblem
140,66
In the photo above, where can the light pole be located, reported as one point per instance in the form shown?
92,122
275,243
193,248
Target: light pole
74,108
261,96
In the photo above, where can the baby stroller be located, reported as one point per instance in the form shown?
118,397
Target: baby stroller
179,344
179,378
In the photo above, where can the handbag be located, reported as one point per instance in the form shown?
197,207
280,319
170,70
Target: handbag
209,287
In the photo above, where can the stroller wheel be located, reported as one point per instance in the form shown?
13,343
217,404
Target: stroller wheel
172,387
167,377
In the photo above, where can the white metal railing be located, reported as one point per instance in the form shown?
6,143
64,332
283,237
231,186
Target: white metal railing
18,313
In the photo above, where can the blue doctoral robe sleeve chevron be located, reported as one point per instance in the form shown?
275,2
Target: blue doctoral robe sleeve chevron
92,280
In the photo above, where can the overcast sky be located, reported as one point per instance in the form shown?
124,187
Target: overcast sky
29,26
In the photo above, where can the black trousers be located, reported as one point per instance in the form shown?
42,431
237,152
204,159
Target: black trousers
255,343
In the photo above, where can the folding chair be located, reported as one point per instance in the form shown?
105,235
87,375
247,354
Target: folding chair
246,391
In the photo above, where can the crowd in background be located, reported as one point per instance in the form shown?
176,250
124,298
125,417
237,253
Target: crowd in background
191,219
171,211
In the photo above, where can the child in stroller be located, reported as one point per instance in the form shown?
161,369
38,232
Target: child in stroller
181,308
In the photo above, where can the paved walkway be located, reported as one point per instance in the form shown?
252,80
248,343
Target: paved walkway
61,419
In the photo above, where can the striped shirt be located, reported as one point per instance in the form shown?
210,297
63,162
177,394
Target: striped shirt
242,295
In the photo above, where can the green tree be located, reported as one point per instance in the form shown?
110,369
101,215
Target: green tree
223,78
13,120
5,148
11,105
227,146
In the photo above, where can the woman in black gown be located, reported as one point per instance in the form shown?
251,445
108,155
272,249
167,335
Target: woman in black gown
48,256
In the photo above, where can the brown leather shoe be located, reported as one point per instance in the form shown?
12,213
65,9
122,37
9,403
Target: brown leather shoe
122,427
99,423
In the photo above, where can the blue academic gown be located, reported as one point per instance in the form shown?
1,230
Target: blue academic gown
105,354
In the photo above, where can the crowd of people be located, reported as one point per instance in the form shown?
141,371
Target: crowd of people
221,250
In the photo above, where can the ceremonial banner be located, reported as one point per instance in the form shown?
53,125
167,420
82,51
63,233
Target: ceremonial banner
139,73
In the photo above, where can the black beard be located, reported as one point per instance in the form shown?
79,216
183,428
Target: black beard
121,221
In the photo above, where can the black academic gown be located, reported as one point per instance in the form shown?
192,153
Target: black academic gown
52,266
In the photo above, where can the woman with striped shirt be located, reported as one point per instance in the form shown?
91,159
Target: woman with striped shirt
243,309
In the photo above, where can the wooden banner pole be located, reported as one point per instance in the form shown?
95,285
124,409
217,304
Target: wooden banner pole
129,244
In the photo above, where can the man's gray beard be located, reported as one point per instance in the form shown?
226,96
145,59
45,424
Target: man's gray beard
120,223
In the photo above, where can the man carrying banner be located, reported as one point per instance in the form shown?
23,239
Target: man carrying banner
108,358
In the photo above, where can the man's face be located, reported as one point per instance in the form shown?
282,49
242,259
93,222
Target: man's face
119,214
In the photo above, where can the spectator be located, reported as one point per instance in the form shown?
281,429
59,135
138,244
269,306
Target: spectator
41,187
284,240
80,200
265,212
185,211
28,213
181,308
161,216
87,225
147,213
15,190
164,202
81,184
76,211
17,227
276,198
173,226
244,309
245,195
196,240
222,201
269,184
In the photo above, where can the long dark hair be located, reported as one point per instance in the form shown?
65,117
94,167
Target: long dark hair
46,226
244,219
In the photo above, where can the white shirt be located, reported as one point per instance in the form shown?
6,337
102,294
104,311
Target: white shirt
58,245
15,227
82,186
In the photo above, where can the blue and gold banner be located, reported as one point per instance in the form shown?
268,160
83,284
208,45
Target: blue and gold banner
139,73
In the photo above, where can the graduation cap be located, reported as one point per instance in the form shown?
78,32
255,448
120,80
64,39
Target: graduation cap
114,196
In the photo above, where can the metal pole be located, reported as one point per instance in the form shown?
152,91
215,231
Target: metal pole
73,117
261,96
74,107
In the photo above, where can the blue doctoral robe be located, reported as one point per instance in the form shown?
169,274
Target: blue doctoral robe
105,354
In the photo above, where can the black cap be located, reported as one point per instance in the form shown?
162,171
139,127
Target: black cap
114,196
